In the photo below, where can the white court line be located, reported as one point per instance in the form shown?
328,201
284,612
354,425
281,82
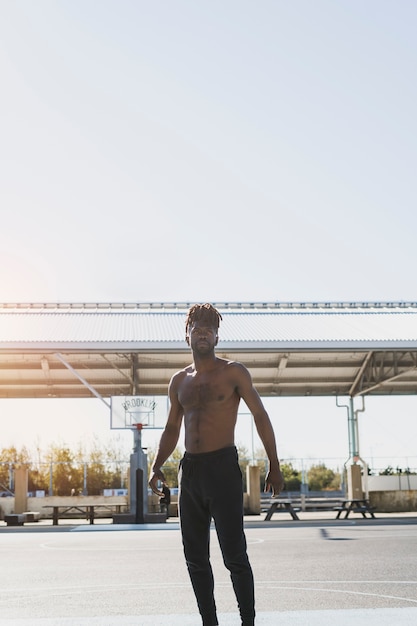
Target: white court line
111,527
346,592
106,548
338,582
268,584
56,592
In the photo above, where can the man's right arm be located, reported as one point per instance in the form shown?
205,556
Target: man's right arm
169,437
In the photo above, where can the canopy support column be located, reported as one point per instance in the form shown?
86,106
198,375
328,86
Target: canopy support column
353,469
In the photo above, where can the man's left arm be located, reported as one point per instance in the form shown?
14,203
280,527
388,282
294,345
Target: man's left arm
274,479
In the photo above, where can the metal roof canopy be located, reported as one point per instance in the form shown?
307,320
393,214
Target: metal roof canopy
78,350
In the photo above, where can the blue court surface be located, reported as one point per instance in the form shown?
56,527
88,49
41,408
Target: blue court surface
309,573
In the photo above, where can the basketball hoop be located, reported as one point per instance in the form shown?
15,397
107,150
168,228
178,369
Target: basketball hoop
127,411
138,426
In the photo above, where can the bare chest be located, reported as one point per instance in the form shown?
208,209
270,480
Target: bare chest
199,391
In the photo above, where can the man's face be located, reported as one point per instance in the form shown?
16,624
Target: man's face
203,337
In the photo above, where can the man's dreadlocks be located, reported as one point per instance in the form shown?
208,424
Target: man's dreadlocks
202,312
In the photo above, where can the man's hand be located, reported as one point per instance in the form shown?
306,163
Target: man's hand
156,476
274,481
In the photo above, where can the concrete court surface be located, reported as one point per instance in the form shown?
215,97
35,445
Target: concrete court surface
316,572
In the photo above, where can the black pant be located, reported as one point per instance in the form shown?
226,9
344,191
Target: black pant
211,487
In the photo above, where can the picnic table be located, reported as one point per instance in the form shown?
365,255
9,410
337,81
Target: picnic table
278,505
358,505
87,510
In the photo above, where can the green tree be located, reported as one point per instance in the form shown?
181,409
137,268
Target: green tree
97,475
117,465
67,474
6,468
321,478
104,465
292,477
38,478
390,471
10,459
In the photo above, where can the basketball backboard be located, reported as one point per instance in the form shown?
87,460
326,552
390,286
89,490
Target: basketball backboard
126,411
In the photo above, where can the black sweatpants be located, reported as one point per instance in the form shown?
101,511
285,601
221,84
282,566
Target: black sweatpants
211,488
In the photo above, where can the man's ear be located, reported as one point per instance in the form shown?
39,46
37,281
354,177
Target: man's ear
217,340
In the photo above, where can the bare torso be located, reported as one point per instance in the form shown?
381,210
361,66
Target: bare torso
210,404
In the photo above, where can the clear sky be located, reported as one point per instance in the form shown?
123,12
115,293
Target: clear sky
210,151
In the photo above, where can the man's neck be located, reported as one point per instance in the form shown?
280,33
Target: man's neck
204,362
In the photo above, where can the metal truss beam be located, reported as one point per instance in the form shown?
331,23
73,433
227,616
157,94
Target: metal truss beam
382,368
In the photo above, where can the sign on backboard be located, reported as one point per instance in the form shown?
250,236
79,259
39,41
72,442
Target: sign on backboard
150,411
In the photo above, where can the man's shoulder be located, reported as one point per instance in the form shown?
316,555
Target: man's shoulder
181,373
234,366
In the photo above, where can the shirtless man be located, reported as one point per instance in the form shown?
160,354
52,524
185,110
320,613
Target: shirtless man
206,394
